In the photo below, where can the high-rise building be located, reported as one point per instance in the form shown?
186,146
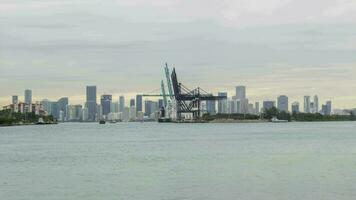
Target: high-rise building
85,114
257,107
282,102
28,96
139,103
268,104
316,104
132,102
328,108
62,106
121,103
91,103
211,107
307,104
222,104
150,107
105,102
243,106
295,107
47,106
15,99
240,92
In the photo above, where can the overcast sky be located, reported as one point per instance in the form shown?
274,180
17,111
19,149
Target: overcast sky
291,47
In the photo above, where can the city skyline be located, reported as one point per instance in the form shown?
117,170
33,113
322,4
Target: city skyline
53,46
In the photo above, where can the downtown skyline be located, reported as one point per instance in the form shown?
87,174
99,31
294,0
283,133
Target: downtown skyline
271,47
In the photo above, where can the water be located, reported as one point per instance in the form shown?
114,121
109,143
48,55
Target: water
179,161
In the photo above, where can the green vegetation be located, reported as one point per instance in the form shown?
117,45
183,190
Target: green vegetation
209,117
8,118
281,115
305,117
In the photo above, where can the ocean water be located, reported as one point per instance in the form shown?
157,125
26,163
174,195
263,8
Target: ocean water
87,161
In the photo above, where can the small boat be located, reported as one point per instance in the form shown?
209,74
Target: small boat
40,121
102,122
276,120
164,120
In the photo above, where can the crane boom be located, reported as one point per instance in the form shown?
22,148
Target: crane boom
169,82
164,94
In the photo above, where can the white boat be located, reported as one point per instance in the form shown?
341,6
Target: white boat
276,120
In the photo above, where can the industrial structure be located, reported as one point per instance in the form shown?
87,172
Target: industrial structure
181,103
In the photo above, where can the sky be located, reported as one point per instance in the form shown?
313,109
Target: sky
274,47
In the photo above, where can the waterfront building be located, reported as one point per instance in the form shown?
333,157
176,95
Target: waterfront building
140,116
222,104
85,114
114,107
133,113
282,102
268,104
62,105
316,104
91,102
244,106
28,96
47,106
99,113
231,106
295,107
328,108
105,102
126,114
251,110
307,104
121,104
211,107
150,107
132,102
240,92
257,108
139,103
15,99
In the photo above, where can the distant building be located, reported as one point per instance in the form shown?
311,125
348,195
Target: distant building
150,107
114,107
85,114
62,106
268,104
15,99
257,108
307,104
139,103
326,109
91,103
211,107
121,103
295,107
126,114
282,102
133,113
316,104
105,102
222,104
132,102
99,113
47,106
28,96
240,92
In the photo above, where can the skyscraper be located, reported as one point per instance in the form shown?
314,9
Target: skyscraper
62,107
91,102
257,107
105,102
282,103
240,92
28,96
222,104
132,102
268,104
139,103
328,108
295,107
211,107
307,104
121,103
15,99
316,104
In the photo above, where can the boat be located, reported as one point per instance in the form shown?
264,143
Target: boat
40,121
164,120
102,122
276,120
